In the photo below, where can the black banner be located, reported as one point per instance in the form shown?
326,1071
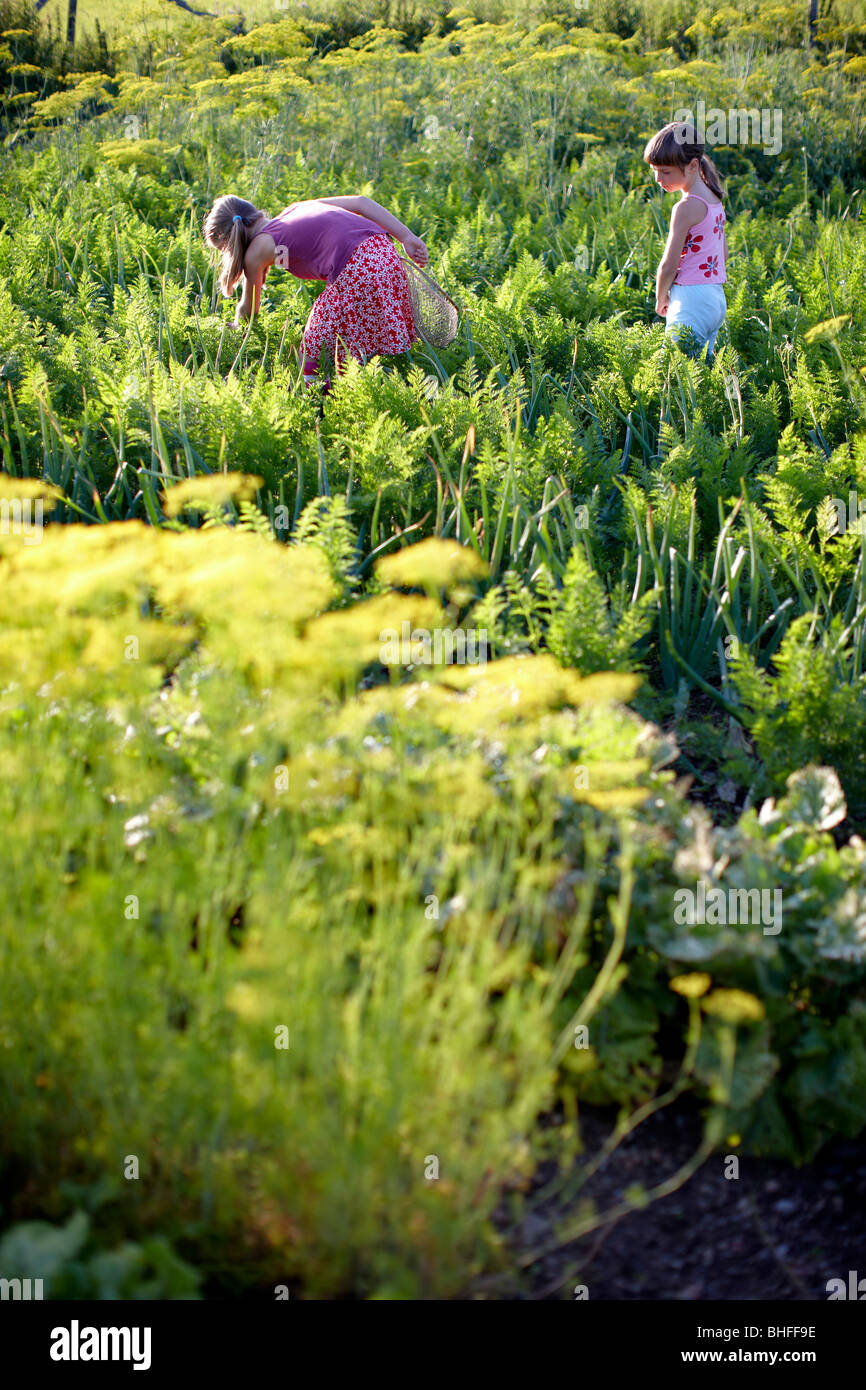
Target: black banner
151,1339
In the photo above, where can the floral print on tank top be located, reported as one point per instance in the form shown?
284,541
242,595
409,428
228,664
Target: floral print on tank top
702,259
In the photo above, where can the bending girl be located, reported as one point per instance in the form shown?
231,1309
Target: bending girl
344,241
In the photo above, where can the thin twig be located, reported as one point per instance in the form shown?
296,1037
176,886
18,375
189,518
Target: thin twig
786,1270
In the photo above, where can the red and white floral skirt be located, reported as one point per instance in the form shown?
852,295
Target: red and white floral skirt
364,312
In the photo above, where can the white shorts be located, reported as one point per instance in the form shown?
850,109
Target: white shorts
700,307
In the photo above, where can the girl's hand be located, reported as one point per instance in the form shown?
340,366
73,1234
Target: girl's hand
416,249
663,304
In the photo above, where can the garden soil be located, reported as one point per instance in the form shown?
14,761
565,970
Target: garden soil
774,1233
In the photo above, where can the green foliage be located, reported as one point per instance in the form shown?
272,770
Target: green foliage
576,622
70,1267
273,846
813,707
248,818
325,523
797,1076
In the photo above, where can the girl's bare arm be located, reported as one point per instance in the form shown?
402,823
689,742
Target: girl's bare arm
374,212
683,219
365,207
256,266
245,304
258,287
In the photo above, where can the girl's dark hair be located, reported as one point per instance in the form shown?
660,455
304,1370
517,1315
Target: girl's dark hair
230,237
677,144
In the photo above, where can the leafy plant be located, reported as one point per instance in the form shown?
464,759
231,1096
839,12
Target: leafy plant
71,1265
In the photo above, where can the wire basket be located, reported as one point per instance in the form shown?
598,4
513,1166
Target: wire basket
435,313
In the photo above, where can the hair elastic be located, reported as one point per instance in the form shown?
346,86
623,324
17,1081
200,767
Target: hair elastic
237,217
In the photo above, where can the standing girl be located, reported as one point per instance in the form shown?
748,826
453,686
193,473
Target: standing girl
693,268
365,306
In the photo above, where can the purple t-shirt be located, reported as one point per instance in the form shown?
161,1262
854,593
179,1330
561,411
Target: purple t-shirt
318,238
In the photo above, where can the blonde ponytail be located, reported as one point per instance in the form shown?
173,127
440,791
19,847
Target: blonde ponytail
227,229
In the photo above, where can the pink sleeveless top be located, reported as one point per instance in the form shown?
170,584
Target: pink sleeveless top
703,256
318,238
